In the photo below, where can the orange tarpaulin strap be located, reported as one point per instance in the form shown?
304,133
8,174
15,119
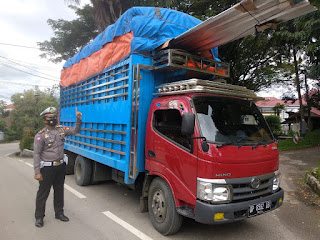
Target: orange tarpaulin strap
96,62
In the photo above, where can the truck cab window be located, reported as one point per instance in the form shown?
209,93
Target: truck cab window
226,120
168,123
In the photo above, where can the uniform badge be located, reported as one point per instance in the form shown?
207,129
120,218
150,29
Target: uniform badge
38,138
46,135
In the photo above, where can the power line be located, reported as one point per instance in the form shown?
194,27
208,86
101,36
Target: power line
28,72
27,67
47,68
14,45
21,84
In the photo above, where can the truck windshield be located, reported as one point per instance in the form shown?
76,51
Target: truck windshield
229,121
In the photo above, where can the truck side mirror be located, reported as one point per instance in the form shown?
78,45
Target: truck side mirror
187,126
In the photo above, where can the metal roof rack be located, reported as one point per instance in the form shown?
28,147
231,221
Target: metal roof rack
204,86
173,60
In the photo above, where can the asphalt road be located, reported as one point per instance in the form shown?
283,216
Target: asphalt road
111,211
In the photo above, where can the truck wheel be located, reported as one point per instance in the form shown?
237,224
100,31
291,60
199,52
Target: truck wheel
82,171
162,208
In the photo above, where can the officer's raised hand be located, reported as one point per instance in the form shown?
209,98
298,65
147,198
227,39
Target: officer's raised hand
78,115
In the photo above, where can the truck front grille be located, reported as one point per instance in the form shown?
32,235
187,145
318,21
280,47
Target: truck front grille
243,191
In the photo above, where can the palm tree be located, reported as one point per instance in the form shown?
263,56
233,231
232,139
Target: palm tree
278,108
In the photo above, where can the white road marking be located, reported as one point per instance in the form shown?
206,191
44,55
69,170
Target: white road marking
75,192
127,226
29,164
20,160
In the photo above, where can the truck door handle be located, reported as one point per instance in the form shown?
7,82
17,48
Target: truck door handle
151,153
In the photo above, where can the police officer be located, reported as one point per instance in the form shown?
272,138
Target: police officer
49,165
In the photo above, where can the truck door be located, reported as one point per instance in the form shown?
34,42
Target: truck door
170,153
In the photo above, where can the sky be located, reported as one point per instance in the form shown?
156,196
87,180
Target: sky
24,23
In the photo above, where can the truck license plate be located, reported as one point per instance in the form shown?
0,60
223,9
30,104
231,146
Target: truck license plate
259,208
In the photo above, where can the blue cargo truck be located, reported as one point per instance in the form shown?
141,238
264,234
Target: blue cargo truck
153,97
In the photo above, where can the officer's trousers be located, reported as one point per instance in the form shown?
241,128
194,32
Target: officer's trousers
52,176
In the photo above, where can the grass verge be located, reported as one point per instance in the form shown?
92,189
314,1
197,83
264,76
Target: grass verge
311,139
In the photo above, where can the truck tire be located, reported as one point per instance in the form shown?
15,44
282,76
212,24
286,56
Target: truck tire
162,208
82,171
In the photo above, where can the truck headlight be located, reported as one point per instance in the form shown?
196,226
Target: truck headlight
211,192
276,181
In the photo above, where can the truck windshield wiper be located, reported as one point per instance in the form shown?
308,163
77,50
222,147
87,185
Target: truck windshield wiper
236,142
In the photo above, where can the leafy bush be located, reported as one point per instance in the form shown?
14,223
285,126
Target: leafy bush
26,141
274,124
291,133
310,140
10,135
3,126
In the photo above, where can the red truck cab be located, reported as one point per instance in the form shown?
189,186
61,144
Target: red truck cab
215,153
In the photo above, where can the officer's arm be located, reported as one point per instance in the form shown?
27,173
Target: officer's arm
73,130
37,148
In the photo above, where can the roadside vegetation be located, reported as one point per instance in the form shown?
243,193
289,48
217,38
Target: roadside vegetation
311,139
314,173
25,120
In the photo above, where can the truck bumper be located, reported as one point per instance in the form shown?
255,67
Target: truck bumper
205,213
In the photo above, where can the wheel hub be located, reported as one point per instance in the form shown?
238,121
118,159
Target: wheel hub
158,206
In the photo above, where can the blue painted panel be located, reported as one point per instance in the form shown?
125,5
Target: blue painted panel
105,101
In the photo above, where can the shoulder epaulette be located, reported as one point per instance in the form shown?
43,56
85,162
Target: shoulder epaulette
41,131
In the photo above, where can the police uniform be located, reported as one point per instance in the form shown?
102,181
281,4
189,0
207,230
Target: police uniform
48,160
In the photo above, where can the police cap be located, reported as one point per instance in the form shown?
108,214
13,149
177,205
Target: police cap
49,110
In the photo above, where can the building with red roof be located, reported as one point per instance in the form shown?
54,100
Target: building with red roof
10,107
290,116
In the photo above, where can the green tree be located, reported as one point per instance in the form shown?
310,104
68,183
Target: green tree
251,62
3,111
3,126
69,36
29,105
9,134
294,38
274,124
106,12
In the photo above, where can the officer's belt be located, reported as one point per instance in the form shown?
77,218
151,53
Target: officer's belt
50,164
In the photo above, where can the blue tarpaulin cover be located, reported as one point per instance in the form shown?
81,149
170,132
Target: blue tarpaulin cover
151,28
